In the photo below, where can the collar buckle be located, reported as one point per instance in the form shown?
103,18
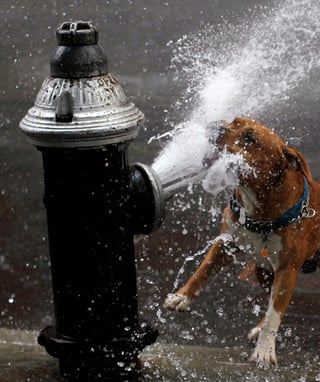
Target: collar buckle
307,213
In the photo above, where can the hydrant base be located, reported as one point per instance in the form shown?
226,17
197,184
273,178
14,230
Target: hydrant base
114,360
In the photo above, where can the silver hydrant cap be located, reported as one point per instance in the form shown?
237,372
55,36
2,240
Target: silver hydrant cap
80,105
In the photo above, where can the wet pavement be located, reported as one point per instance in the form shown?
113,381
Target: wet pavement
209,341
21,360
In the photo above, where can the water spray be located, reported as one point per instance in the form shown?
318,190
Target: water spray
259,70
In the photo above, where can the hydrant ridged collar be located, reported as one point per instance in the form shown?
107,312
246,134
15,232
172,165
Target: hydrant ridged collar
101,114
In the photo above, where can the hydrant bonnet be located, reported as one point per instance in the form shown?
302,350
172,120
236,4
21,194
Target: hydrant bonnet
96,110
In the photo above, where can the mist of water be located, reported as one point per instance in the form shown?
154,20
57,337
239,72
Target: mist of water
249,70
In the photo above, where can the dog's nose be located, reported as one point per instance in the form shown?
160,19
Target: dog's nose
216,130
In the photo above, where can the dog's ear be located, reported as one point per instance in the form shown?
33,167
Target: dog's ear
293,162
296,162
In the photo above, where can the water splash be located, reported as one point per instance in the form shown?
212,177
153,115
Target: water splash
224,237
222,175
253,70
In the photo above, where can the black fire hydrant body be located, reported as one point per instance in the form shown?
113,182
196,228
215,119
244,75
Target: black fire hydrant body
83,124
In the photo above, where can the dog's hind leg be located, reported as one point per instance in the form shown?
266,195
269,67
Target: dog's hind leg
282,289
218,256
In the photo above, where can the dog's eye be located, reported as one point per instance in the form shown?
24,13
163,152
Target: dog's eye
249,138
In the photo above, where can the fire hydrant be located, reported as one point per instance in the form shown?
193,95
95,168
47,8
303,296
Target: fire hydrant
82,123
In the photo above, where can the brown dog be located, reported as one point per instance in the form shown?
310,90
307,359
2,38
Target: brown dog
274,215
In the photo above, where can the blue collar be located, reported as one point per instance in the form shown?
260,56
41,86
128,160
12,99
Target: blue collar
294,213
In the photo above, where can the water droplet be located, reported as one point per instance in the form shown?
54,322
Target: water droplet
186,335
160,317
288,332
256,310
220,312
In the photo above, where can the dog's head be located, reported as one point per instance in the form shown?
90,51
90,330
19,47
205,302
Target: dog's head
263,150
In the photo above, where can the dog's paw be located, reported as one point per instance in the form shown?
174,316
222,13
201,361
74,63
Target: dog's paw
176,301
264,356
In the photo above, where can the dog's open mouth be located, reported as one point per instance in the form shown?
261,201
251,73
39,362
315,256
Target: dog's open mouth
210,158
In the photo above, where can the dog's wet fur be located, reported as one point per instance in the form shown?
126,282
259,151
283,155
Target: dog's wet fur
276,183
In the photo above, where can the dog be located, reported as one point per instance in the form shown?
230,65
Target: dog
274,215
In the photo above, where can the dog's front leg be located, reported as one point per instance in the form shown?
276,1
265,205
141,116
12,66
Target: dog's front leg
282,290
216,258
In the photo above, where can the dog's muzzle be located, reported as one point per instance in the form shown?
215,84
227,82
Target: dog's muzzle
216,130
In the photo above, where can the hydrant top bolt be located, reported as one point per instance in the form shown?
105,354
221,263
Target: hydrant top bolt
77,33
